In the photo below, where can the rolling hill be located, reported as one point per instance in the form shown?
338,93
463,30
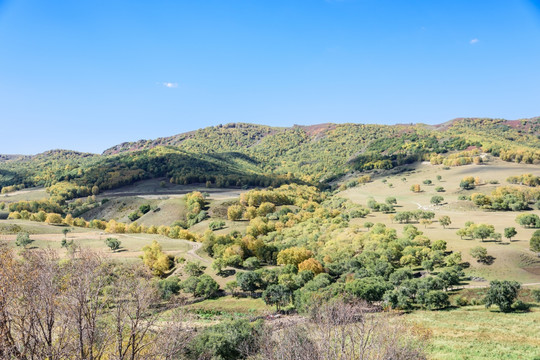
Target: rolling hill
247,154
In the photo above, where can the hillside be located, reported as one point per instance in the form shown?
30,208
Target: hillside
247,154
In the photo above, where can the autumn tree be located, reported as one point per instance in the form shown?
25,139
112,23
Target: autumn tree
234,212
155,259
293,255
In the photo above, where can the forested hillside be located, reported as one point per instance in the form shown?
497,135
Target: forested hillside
247,154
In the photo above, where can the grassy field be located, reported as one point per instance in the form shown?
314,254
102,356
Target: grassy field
25,195
475,332
513,260
232,305
48,236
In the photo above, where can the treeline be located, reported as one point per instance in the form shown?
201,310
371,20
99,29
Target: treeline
457,159
508,198
525,179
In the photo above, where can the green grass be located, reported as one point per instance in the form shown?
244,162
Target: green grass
475,332
25,195
231,304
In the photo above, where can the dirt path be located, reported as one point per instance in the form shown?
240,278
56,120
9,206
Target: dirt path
487,285
193,252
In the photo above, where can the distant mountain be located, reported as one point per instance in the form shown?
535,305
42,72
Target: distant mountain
249,154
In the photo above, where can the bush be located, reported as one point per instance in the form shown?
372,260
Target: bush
252,263
519,305
216,225
23,239
113,243
169,287
536,295
134,216
228,340
206,287
144,208
461,301
436,299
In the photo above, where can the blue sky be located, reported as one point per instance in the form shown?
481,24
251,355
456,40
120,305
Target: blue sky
86,75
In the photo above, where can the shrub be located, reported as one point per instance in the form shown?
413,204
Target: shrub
252,263
169,287
113,243
519,305
536,295
461,301
134,216
216,225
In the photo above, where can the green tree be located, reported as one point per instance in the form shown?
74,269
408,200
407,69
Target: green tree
534,243
228,340
252,263
206,287
370,289
502,294
23,239
435,299
277,295
113,243
249,281
436,199
216,225
479,253
528,220
483,231
169,287
218,265
509,233
65,232
194,268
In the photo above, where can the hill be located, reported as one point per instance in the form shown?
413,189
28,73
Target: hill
258,155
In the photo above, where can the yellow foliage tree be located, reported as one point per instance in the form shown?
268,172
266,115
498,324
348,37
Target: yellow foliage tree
293,255
155,259
311,264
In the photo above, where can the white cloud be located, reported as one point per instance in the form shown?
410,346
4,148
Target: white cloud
474,41
170,85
